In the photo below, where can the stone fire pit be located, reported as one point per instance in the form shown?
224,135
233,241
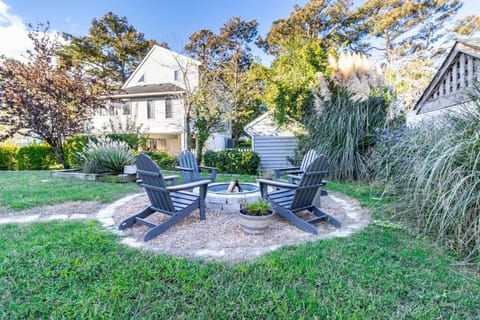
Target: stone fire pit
219,198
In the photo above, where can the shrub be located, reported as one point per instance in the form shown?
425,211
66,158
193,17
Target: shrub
133,140
35,157
164,160
105,156
233,161
435,172
73,145
8,157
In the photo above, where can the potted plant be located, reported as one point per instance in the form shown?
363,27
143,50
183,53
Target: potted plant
255,217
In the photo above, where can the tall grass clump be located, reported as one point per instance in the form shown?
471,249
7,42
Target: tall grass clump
105,156
434,169
349,103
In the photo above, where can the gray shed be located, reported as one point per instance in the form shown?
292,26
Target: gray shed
272,142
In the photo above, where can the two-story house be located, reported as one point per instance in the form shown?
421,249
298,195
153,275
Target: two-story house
153,98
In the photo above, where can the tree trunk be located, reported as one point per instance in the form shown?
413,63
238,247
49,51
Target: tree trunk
201,140
60,156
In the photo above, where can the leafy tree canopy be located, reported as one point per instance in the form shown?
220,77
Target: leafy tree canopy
332,23
40,98
110,52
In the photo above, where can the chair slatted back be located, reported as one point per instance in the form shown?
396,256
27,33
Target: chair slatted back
186,159
153,182
308,159
310,182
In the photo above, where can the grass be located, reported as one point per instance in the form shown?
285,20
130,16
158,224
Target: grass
26,189
79,270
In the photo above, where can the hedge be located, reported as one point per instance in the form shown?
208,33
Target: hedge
164,160
8,157
233,161
35,157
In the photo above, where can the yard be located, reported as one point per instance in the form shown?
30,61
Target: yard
79,270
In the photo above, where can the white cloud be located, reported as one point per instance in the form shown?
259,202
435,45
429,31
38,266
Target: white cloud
13,34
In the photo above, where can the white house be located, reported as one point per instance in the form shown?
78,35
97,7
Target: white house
272,142
450,87
152,97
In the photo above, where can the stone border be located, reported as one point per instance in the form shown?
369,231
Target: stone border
359,218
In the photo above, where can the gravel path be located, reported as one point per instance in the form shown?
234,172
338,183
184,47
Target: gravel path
218,238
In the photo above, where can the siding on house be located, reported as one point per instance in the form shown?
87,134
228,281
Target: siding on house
152,99
272,143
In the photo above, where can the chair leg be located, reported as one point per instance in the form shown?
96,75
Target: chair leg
131,221
202,196
155,231
290,216
324,216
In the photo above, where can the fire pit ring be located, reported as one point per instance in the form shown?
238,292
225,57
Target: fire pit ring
218,197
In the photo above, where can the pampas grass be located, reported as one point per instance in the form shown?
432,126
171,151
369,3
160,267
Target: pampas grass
435,171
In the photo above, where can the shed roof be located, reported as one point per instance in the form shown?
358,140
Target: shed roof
470,47
265,125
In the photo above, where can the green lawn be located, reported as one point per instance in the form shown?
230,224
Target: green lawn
25,189
79,270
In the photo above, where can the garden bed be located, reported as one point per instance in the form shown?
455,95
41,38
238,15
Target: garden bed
77,174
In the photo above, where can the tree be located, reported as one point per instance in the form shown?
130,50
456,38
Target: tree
225,77
40,98
110,52
467,26
406,26
332,23
300,44
405,33
207,113
291,78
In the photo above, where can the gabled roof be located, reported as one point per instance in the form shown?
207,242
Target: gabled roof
149,54
469,47
266,126
147,91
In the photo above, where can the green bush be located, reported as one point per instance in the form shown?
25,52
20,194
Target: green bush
105,156
75,144
133,140
434,170
8,157
344,131
233,161
35,157
164,160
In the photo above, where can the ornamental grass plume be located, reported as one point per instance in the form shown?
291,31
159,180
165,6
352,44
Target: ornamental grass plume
353,72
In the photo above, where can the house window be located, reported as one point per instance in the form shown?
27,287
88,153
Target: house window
150,109
113,109
142,79
161,144
176,75
126,108
157,144
168,108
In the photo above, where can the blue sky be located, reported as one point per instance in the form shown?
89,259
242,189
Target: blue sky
172,21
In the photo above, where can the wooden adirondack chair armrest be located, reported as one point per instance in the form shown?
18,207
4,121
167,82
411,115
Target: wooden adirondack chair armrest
278,171
278,184
295,171
207,168
189,185
183,168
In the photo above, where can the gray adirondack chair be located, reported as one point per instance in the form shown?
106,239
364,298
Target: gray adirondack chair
174,201
189,168
294,173
288,198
